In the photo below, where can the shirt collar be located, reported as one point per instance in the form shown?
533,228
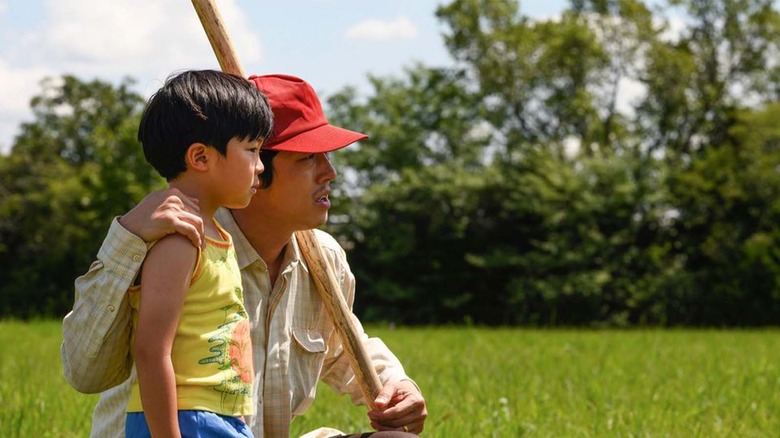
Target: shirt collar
295,255
245,253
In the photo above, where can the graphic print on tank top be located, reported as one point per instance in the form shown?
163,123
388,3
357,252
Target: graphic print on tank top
231,351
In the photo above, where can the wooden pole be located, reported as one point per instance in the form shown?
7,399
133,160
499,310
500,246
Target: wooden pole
339,312
322,275
220,41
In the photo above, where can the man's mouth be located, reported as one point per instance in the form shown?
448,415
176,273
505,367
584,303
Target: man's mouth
323,200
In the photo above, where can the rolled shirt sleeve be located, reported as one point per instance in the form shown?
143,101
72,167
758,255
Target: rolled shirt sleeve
96,333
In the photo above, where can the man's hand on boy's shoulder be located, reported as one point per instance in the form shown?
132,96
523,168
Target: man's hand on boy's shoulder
165,212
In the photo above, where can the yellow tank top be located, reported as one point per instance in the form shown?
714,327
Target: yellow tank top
212,352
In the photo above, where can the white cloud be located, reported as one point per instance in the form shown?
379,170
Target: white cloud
379,30
17,88
676,26
571,147
630,91
126,37
109,40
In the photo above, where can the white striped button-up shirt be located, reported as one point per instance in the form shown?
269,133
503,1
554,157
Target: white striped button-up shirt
294,340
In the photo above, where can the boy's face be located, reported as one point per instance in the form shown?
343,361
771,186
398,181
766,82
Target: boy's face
236,173
297,199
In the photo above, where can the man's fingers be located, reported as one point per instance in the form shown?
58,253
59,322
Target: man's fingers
191,229
181,213
180,203
408,411
190,204
164,212
383,398
412,426
416,427
175,199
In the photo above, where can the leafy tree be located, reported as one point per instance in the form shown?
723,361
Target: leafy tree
727,227
572,207
69,171
513,187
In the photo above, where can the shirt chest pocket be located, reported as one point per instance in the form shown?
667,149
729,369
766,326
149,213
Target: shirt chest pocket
307,354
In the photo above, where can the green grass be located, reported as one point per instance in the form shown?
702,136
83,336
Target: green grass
512,383
490,383
36,401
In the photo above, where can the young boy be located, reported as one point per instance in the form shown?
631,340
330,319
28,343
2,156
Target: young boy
202,131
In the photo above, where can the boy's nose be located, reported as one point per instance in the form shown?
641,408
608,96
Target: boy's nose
259,168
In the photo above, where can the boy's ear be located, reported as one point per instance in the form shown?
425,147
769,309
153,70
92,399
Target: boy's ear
197,157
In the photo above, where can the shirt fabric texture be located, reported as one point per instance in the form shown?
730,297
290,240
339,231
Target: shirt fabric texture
211,351
293,337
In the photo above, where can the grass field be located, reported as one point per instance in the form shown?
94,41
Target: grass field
490,383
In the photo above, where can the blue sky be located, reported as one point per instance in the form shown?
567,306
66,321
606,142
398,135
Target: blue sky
330,43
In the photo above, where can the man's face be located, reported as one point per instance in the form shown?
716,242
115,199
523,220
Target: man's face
298,196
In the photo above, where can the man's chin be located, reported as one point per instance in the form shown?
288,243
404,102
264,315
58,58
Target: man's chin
321,221
314,224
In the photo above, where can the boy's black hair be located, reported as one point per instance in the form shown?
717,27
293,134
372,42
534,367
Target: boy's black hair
200,106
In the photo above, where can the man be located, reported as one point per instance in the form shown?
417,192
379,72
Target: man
294,342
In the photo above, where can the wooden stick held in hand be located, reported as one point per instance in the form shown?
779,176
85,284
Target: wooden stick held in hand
322,275
339,312
218,37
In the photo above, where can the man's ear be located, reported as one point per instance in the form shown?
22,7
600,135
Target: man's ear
198,157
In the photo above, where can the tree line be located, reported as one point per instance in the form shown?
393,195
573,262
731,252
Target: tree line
618,165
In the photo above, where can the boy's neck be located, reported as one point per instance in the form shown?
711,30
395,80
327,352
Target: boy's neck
206,209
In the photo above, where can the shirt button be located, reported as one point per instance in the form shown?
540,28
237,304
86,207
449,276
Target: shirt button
111,309
137,258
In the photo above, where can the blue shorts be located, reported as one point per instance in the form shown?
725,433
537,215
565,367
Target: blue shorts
192,424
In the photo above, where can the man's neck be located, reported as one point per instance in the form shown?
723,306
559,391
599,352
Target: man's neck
267,239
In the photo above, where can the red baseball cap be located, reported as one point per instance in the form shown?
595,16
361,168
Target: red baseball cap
299,123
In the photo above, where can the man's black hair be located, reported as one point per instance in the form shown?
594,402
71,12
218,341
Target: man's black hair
267,157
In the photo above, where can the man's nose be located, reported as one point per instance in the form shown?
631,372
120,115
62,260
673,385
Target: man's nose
326,171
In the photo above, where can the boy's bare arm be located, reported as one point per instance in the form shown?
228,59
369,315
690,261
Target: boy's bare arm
165,280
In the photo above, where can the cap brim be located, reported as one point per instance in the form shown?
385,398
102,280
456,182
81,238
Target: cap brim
324,138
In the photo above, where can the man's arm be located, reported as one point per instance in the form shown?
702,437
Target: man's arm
96,333
400,403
